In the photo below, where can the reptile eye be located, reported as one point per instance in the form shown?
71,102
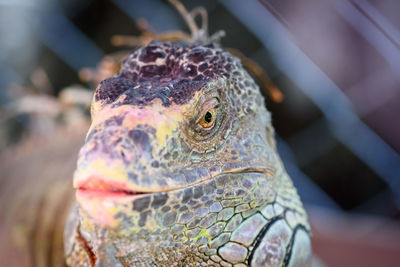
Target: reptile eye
208,119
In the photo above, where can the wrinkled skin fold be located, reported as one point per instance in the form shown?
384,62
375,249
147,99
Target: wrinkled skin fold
180,168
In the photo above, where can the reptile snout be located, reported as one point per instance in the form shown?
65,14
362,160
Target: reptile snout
122,149
117,143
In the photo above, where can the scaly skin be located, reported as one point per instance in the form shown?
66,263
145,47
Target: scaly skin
180,168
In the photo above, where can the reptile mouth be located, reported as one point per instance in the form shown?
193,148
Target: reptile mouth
96,186
102,198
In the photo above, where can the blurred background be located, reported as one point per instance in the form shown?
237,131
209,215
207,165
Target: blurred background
337,62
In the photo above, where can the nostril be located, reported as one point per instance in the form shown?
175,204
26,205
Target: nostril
126,156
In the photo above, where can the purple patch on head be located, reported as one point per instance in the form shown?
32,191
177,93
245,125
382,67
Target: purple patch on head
110,89
172,72
150,54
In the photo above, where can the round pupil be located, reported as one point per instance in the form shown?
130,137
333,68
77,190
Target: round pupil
208,117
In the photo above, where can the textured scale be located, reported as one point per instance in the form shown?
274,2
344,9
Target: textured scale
157,189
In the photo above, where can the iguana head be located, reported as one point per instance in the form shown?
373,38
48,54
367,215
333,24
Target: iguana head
180,164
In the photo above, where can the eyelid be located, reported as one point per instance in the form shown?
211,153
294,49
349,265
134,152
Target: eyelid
208,105
212,103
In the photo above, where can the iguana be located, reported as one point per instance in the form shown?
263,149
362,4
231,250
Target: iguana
180,168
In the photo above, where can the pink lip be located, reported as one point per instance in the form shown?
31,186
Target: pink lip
96,186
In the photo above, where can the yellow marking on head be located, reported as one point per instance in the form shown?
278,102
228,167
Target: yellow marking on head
164,127
165,120
108,169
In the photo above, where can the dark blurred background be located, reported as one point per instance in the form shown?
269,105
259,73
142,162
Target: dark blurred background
337,63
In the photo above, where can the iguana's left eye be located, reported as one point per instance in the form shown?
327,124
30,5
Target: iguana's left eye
208,119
